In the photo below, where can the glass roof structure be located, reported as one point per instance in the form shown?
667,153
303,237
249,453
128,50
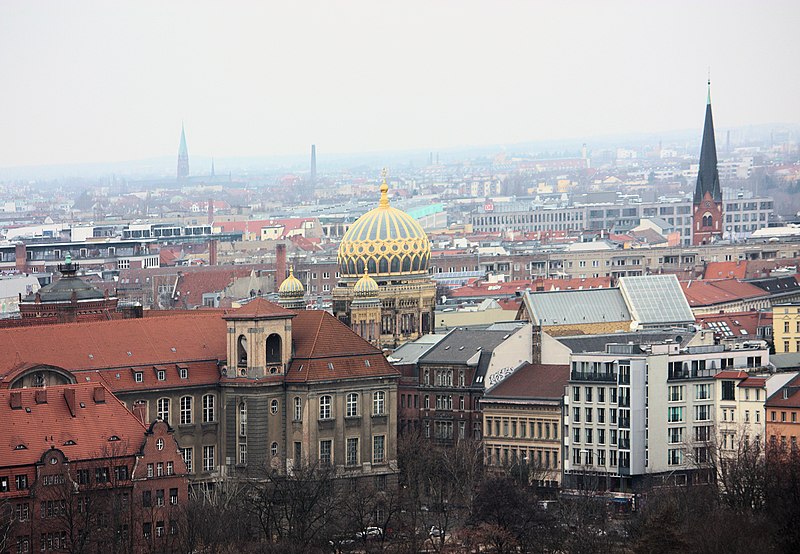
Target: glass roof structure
656,299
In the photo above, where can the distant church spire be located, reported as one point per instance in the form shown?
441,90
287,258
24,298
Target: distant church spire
213,173
708,176
313,164
183,157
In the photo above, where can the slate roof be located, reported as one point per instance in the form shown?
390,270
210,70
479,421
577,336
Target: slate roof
62,290
576,307
410,352
461,345
532,381
777,285
27,434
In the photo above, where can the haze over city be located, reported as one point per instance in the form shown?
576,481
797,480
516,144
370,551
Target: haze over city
109,82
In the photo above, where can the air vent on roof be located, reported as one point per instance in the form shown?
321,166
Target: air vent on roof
447,347
129,354
461,347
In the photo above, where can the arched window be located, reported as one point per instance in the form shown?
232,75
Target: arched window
186,410
298,408
273,407
241,350
383,265
406,263
395,264
274,349
372,267
359,266
352,404
378,403
325,411
162,409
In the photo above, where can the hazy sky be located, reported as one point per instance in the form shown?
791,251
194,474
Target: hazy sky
106,81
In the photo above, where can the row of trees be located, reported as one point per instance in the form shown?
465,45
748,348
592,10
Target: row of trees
447,501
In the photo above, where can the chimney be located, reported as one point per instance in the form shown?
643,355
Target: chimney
69,396
212,252
280,265
40,397
21,257
99,395
16,400
211,211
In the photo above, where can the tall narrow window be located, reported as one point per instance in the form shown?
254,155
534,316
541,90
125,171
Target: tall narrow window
242,420
378,449
352,404
186,410
325,407
378,403
162,411
298,408
208,458
352,451
208,408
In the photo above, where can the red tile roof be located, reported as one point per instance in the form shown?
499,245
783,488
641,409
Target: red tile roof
36,427
321,339
115,344
740,324
731,374
726,270
709,293
482,288
532,381
193,285
792,399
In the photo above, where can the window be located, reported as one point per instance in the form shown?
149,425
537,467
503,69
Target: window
351,405
161,375
588,415
208,409
325,452
378,449
601,394
675,435
101,475
588,394
173,497
601,417
83,476
676,394
188,454
147,499
298,408
576,415
150,470
378,403
162,409
273,449
186,410
208,458
22,482
325,407
576,394
170,468
160,469
576,432
352,451
702,392
728,390
183,373
273,407
675,414
674,456
160,497
702,413
138,376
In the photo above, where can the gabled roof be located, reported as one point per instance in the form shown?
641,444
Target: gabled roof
532,381
710,293
735,324
792,399
36,427
777,285
726,270
259,308
655,299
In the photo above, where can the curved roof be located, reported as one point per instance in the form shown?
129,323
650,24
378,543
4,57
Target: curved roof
366,286
62,290
384,241
291,287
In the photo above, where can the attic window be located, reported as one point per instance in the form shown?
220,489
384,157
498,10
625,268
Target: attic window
20,447
173,349
138,376
183,372
461,347
161,375
366,363
300,368
129,353
91,356
447,347
330,365
70,442
113,438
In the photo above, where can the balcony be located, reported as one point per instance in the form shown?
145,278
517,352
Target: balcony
590,376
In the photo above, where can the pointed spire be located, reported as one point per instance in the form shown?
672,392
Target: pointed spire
384,202
708,176
213,174
183,156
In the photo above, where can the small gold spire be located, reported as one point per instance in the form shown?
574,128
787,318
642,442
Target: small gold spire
384,203
291,270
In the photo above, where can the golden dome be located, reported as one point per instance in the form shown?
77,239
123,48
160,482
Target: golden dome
384,241
366,286
291,287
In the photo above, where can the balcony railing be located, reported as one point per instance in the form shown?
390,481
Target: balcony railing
590,376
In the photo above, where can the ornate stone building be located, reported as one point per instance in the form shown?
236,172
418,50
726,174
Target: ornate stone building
385,293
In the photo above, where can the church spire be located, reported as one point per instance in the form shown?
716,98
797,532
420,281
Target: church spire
183,157
708,176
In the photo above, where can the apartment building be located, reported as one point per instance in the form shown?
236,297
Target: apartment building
644,410
786,327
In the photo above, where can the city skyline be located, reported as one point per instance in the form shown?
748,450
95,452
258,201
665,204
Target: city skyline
260,81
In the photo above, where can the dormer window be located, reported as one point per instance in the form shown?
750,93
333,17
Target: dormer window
113,438
161,375
138,376
183,372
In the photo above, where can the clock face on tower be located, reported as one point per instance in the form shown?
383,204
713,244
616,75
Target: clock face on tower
708,203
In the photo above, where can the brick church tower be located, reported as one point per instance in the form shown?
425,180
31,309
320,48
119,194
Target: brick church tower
707,205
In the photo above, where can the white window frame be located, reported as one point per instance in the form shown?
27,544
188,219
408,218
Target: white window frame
325,406
379,403
186,410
